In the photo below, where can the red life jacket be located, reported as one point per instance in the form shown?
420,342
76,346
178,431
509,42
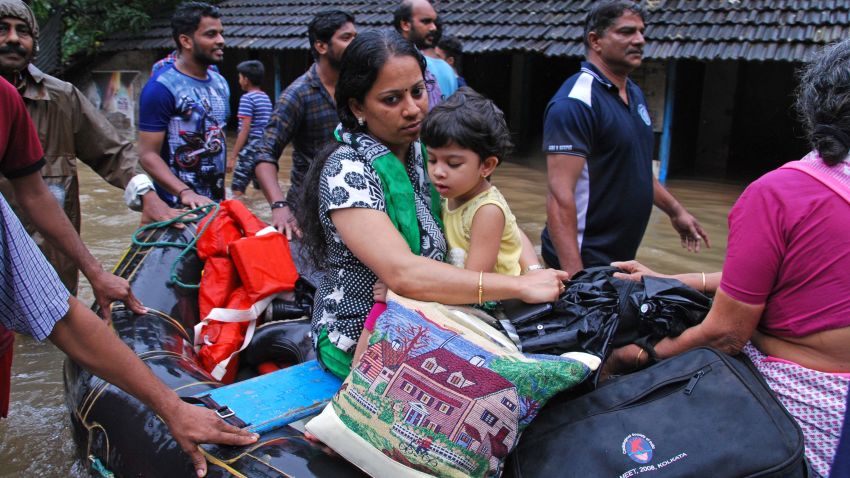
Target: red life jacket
247,264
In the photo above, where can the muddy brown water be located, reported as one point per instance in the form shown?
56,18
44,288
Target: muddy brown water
36,441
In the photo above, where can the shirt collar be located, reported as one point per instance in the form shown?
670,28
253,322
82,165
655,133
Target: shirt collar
34,80
313,76
590,68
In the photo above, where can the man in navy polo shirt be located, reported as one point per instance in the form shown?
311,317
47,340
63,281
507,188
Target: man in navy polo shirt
598,141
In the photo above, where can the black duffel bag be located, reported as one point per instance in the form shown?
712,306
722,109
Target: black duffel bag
701,413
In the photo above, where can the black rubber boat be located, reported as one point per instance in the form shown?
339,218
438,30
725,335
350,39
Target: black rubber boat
119,436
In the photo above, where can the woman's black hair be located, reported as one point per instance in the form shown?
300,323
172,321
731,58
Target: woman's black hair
362,61
470,121
823,102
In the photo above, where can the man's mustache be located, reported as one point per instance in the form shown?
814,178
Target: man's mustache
13,48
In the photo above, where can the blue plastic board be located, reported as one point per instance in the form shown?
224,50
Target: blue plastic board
276,399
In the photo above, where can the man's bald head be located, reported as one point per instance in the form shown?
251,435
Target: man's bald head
416,20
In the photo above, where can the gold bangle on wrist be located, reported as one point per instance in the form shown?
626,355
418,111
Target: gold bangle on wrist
481,288
703,282
639,355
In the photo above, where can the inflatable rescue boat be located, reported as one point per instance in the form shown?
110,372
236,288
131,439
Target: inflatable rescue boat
119,436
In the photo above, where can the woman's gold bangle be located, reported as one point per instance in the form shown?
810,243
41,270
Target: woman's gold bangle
639,355
481,288
703,282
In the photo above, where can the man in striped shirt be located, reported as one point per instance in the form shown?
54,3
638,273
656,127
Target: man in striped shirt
255,109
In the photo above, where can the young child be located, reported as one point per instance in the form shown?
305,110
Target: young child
466,137
255,109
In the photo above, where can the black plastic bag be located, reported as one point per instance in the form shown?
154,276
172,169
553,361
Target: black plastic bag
598,311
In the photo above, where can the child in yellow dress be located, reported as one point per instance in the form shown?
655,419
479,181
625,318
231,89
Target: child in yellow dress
466,137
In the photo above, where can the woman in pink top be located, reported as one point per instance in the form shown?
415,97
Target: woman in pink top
784,295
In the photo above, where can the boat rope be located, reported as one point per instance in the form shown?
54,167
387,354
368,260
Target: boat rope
98,466
187,217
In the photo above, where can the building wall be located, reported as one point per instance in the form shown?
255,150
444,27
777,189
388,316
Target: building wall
131,71
289,65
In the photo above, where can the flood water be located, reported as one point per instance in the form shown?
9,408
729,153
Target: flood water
35,440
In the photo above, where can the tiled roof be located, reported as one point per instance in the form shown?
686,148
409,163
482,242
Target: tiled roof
786,30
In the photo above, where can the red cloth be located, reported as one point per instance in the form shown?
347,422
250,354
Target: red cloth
20,149
7,340
788,250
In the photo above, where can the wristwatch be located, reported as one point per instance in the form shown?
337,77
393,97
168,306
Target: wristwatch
279,204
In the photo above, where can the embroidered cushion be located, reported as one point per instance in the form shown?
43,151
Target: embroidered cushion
439,392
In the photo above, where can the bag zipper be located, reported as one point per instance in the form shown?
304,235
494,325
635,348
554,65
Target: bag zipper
693,381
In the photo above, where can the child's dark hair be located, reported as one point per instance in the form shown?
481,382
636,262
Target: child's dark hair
470,121
253,70
187,17
452,46
361,63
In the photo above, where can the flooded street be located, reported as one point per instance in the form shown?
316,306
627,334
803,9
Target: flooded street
35,440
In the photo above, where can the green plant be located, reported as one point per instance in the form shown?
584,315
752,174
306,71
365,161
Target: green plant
87,23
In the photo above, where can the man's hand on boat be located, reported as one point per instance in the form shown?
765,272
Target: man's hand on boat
155,209
192,199
108,288
96,347
191,425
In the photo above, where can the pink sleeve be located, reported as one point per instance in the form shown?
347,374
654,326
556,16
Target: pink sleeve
756,244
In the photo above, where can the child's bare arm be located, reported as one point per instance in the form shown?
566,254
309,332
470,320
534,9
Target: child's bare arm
529,255
379,292
485,237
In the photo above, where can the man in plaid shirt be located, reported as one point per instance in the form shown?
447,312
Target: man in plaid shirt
305,114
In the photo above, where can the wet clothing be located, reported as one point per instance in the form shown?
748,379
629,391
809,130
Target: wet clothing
458,226
773,238
305,115
70,128
815,399
192,113
350,180
613,195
